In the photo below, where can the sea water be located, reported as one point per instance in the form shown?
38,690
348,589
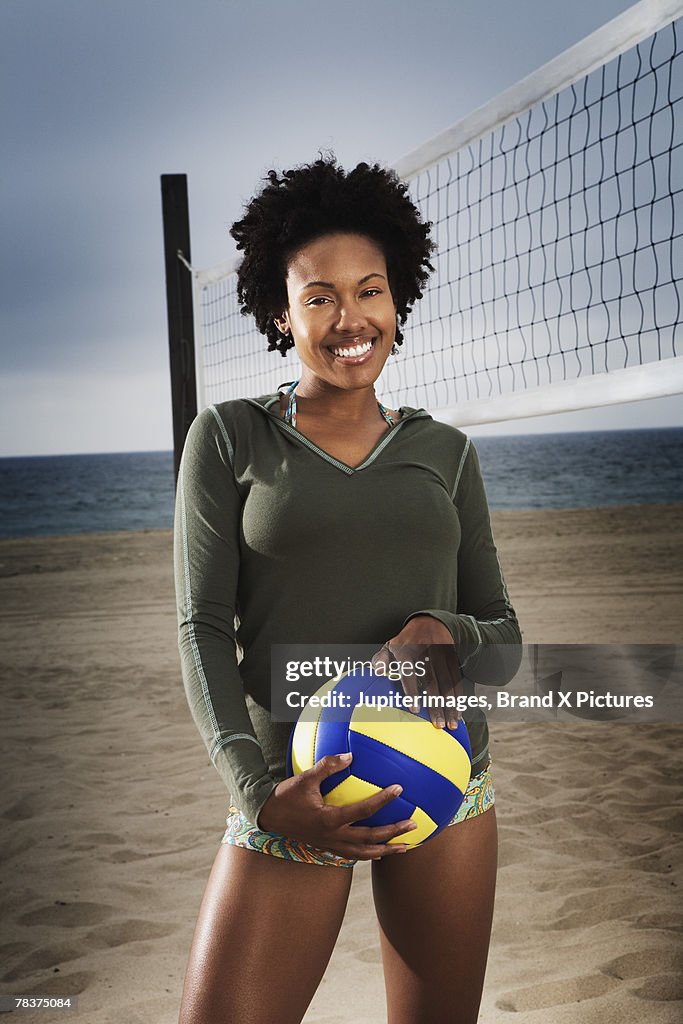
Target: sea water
58,494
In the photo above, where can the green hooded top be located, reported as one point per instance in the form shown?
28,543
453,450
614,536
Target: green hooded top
278,542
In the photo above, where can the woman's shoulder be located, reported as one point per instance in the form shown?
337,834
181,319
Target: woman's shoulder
241,411
236,421
434,431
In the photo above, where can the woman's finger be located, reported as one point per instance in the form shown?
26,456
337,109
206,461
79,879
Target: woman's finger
373,841
373,834
453,680
448,681
381,657
375,852
363,808
398,661
410,682
406,657
434,701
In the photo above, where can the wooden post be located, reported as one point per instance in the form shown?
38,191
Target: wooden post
179,308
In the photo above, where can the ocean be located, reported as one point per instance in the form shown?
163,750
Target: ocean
58,494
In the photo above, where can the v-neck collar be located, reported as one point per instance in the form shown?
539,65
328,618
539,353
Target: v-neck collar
407,413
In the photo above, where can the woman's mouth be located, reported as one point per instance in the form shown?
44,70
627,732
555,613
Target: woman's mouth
354,352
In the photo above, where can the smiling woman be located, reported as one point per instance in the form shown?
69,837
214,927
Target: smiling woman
317,515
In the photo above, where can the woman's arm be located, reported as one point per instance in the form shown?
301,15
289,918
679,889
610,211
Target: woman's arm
484,626
206,562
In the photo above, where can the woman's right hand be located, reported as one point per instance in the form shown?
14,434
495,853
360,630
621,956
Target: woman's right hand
296,809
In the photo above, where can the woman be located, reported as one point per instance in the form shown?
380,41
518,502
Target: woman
317,515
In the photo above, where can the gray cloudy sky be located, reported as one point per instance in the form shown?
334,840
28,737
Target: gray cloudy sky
101,98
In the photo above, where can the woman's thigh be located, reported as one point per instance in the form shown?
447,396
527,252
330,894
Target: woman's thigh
265,933
435,908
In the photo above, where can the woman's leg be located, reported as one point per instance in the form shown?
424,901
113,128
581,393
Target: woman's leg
435,907
265,933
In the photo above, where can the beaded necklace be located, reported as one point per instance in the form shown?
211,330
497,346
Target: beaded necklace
290,413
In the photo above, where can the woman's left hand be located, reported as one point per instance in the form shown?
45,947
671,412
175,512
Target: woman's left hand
425,642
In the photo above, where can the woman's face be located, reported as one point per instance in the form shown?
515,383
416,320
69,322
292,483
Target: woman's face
341,313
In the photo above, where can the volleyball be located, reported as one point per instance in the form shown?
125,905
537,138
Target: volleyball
359,713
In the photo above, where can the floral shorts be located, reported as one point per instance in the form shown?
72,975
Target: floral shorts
479,796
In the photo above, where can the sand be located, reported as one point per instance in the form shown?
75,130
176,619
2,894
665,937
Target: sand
112,812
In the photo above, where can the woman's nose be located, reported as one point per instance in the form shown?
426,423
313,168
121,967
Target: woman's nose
350,318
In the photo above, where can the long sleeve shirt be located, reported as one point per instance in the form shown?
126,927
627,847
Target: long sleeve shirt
276,542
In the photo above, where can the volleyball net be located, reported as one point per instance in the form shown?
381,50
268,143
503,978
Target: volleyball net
558,218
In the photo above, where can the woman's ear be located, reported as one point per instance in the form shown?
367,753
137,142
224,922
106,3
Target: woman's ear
282,323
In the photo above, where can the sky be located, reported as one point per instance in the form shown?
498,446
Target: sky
100,99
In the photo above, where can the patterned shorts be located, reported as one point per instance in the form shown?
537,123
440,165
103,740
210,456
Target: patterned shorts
479,796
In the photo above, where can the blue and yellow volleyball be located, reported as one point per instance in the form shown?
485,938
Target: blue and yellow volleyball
358,713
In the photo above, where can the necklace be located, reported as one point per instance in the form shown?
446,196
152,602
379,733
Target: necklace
290,414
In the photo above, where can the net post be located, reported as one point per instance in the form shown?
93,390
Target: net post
179,307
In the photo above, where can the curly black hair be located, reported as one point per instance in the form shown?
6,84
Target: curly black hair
316,199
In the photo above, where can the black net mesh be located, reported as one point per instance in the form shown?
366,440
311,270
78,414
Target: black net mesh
559,249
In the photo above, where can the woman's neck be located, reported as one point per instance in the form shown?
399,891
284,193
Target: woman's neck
323,399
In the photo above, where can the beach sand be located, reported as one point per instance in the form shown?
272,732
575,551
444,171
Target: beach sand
112,811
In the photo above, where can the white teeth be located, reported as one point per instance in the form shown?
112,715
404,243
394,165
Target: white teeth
356,350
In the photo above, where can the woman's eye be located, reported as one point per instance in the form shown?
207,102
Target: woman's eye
319,300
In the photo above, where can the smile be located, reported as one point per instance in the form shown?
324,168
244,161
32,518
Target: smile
355,352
